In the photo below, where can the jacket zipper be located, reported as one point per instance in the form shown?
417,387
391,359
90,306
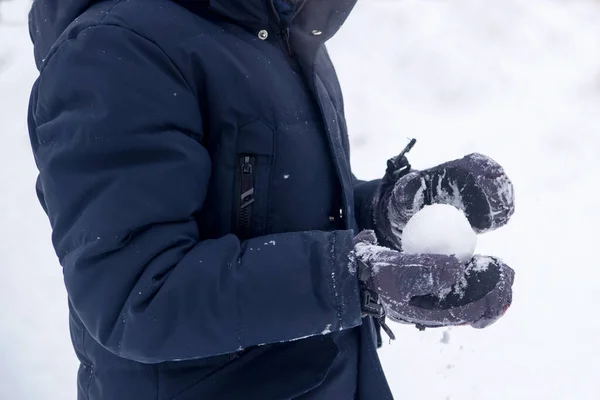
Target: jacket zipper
286,32
245,196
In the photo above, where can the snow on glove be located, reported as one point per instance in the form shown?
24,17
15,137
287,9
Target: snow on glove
392,279
481,297
475,184
431,290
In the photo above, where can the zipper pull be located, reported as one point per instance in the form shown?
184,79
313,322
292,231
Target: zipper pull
386,329
286,39
247,183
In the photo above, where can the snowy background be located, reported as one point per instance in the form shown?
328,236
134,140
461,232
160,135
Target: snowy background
518,80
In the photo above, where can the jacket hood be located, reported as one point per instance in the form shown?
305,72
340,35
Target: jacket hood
48,19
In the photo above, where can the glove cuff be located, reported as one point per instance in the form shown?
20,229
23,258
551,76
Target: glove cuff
381,221
370,302
395,204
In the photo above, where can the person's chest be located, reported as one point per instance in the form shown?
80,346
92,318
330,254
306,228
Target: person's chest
266,131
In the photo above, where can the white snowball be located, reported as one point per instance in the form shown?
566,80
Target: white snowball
440,229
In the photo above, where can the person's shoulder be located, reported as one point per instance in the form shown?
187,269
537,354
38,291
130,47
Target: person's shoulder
164,22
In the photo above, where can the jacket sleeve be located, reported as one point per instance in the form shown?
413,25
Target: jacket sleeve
364,198
116,135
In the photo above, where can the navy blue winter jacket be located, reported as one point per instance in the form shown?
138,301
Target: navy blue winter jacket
194,166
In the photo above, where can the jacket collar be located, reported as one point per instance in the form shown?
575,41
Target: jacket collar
324,16
49,18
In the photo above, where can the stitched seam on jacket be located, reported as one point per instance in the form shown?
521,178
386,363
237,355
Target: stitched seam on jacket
239,306
162,51
85,353
102,23
60,46
336,291
157,377
89,384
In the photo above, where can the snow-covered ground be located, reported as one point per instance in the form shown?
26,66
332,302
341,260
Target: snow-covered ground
518,80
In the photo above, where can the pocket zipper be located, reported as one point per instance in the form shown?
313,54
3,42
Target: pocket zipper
245,196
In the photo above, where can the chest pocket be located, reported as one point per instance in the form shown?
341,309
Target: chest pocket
254,166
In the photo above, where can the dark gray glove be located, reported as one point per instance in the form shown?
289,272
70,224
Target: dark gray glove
390,279
481,297
475,184
430,290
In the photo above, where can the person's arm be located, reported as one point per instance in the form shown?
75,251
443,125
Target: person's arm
116,136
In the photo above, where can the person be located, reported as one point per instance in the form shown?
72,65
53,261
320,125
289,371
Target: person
194,165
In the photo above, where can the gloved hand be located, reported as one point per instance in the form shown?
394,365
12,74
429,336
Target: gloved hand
430,290
476,184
